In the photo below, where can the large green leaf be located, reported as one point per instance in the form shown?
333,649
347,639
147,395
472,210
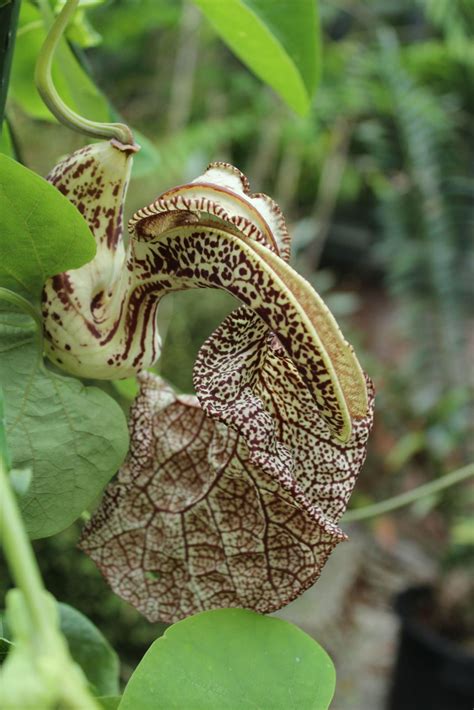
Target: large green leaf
42,233
91,650
73,437
72,82
228,659
277,39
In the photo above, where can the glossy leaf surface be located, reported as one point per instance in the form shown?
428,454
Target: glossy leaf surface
109,702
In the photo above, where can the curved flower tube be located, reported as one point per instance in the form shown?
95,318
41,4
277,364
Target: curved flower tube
100,320
231,497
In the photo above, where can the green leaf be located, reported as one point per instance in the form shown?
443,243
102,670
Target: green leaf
5,643
42,232
91,650
404,450
228,658
73,84
278,41
124,29
73,437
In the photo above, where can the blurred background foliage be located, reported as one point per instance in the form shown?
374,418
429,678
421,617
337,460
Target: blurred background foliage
376,182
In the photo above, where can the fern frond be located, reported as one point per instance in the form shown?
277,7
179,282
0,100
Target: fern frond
422,243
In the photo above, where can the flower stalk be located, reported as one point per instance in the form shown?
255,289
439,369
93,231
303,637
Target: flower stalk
50,96
18,552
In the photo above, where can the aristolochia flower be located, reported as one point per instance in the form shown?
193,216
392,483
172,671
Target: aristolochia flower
232,497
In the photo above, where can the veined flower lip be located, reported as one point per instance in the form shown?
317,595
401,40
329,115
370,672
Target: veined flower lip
168,556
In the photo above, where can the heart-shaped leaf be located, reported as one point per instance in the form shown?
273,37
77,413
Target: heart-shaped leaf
73,437
42,233
228,658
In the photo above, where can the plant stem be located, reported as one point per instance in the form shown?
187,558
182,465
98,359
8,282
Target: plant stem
385,506
47,90
8,22
18,552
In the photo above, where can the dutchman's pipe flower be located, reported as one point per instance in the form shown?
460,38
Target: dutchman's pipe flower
230,497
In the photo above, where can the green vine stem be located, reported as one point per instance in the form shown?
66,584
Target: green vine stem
399,501
47,90
8,22
18,552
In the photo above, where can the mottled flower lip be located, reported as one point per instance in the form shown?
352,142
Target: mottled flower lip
206,514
